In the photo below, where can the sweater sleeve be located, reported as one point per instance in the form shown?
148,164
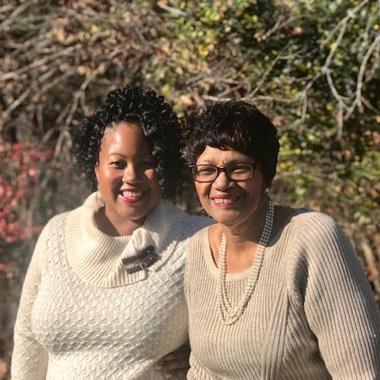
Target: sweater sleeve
29,358
339,304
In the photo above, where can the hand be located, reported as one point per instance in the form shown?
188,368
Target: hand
176,364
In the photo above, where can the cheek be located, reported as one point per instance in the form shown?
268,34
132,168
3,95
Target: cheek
203,191
108,179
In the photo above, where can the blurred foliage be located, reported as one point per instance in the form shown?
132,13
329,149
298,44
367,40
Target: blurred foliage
312,66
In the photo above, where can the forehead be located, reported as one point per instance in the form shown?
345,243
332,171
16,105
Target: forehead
222,156
124,138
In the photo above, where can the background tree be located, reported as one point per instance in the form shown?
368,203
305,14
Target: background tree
313,66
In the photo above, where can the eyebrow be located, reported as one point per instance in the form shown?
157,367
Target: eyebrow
237,161
144,155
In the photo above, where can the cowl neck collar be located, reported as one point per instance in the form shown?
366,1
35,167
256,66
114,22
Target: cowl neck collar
97,257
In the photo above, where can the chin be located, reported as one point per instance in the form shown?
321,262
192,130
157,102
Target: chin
134,214
131,213
226,217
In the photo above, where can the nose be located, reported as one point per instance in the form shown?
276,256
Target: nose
222,181
130,174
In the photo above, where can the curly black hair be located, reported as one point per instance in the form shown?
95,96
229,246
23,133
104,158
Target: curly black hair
237,125
158,122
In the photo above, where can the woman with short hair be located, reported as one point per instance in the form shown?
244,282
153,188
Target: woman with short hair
273,292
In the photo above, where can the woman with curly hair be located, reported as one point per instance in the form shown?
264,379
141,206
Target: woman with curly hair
103,295
273,292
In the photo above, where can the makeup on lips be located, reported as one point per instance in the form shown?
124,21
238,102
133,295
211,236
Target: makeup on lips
224,201
131,196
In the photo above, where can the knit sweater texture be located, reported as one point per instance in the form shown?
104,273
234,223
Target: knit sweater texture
312,314
82,316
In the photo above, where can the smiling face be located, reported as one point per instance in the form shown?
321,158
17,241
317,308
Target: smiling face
126,176
230,202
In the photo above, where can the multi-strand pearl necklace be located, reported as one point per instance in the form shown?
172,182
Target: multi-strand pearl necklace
228,313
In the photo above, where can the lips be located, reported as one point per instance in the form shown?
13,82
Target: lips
131,195
225,201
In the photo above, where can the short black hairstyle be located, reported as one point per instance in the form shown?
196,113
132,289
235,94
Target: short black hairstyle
234,125
158,121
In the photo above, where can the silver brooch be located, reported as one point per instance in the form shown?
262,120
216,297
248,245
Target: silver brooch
141,261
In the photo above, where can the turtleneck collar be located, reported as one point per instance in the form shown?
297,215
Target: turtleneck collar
97,257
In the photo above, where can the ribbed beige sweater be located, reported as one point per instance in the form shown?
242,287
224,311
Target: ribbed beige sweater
312,314
83,317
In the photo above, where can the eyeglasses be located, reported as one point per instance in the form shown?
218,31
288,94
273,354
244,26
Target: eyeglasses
234,172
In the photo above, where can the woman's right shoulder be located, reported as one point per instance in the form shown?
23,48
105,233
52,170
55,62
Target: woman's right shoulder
198,241
56,221
52,228
56,224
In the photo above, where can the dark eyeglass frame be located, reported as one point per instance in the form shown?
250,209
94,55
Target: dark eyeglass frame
225,169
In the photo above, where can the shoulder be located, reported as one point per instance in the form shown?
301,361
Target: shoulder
54,223
198,244
59,219
49,233
202,235
318,251
316,226
320,241
316,238
306,216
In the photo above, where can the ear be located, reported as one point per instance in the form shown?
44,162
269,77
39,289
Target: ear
96,170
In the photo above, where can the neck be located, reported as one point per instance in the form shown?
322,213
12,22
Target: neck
127,227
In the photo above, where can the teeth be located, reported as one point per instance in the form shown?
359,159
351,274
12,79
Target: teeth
223,200
132,194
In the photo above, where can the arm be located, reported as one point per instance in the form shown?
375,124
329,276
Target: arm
339,303
29,358
176,364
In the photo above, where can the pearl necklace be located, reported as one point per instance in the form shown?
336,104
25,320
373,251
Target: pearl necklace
228,313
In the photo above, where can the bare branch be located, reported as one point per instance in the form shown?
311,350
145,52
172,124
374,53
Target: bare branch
335,46
215,98
15,104
39,62
268,71
173,11
52,83
304,105
14,14
82,89
362,70
351,13
333,89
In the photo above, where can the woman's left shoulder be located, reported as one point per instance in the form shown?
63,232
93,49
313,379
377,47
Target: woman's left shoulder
317,230
314,221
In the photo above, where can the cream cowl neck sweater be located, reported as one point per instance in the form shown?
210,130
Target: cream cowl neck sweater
83,316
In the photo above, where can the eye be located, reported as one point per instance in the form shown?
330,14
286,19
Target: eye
205,170
240,168
118,164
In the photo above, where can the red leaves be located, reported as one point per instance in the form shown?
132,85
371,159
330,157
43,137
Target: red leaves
18,183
